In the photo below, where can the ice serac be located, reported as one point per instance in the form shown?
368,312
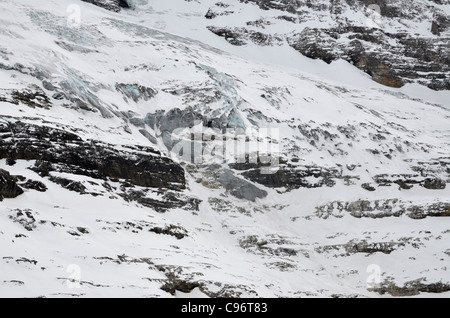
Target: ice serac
240,188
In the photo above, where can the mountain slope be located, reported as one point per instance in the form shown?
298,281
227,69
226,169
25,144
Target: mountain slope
98,201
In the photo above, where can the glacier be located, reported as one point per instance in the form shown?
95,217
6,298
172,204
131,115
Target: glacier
95,201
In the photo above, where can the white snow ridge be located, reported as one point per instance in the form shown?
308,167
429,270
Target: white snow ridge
243,149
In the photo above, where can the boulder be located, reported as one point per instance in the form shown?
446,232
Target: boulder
8,186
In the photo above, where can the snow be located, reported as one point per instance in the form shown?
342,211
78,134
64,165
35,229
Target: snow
171,37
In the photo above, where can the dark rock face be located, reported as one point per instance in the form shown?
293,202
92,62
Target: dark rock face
112,5
172,230
368,187
242,36
58,150
218,10
440,209
411,288
284,5
136,169
383,208
294,177
435,28
33,97
407,181
257,245
380,71
24,218
319,48
369,248
234,37
392,59
434,184
69,184
174,284
363,246
386,65
124,4
34,185
168,201
8,186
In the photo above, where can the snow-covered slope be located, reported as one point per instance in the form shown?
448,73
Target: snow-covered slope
96,201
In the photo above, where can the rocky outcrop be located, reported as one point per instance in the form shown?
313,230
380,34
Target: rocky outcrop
34,185
62,151
220,9
363,246
175,283
138,170
171,230
32,96
392,57
112,5
407,181
25,218
254,244
8,186
383,208
421,59
292,177
284,5
440,209
411,288
242,36
169,200
69,184
343,147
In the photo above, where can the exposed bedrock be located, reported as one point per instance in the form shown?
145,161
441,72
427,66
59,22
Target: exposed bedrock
59,150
